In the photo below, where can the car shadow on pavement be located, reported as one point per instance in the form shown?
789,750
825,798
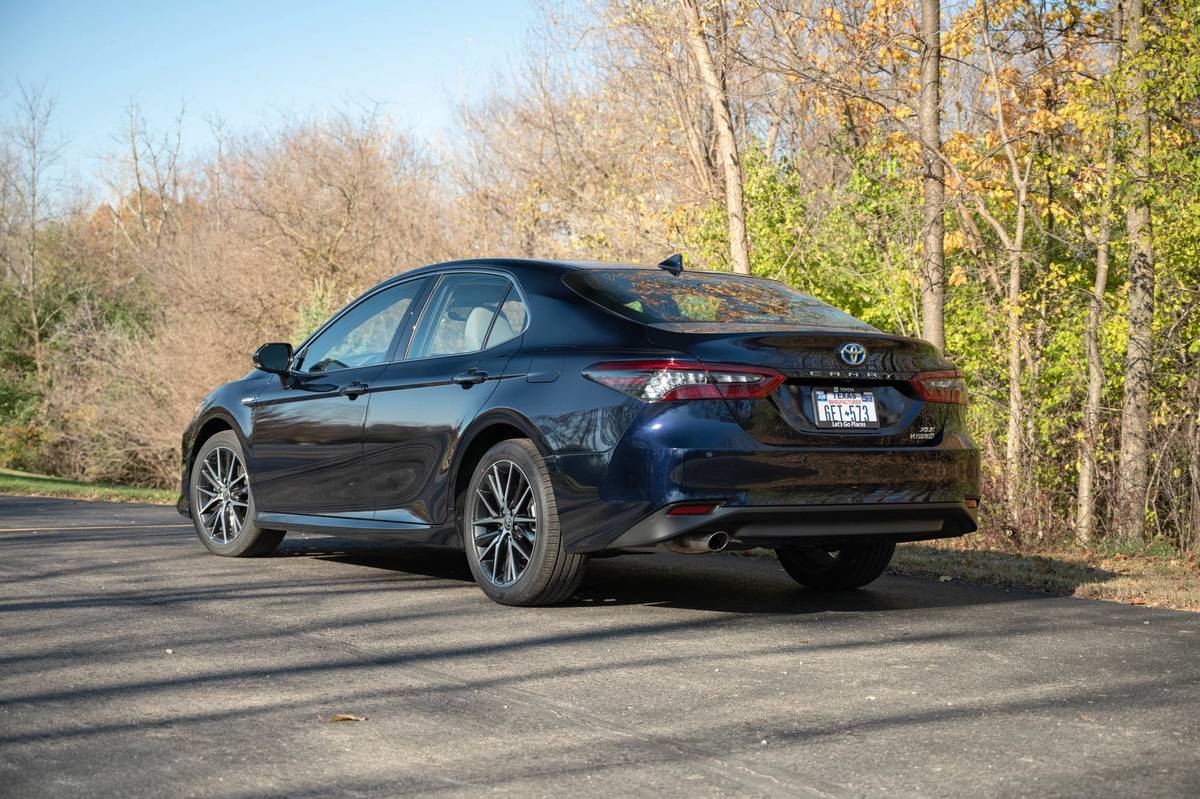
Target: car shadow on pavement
722,583
737,584
441,563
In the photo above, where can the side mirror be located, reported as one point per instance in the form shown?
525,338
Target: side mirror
275,358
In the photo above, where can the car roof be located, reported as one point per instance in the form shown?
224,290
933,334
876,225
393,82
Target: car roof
544,265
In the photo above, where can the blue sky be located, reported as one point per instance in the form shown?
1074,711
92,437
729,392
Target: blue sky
247,62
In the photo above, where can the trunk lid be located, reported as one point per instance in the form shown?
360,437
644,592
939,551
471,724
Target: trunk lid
811,362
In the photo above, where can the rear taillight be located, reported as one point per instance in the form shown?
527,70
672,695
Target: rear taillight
947,386
669,381
693,509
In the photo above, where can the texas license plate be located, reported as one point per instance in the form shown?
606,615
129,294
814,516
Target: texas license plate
838,408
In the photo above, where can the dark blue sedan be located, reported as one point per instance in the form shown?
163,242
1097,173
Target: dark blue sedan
535,413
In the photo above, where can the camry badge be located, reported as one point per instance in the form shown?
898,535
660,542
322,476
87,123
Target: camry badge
853,353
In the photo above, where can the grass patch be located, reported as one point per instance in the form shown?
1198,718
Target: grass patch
39,485
1136,578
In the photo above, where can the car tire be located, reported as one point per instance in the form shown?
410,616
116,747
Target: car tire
510,529
851,566
221,501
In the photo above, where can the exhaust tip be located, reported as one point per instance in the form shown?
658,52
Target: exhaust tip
698,543
717,541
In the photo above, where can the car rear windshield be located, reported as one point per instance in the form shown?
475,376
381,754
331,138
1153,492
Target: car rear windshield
657,297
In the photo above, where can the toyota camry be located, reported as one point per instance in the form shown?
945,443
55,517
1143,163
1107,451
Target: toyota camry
539,413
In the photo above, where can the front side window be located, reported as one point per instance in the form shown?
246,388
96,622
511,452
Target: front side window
461,316
363,335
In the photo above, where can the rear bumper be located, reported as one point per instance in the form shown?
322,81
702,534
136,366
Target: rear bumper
621,498
809,525
694,452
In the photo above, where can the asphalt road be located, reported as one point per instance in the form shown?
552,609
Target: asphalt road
132,663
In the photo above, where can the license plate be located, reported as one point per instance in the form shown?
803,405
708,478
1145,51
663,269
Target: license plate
838,408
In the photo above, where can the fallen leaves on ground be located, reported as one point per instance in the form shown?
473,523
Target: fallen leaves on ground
1131,579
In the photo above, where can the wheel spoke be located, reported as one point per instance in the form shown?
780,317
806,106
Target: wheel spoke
209,504
494,482
483,555
528,492
491,511
497,558
482,537
512,542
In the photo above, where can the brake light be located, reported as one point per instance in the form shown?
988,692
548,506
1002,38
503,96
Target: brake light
695,509
669,381
947,386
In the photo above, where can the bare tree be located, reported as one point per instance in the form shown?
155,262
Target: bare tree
1020,167
1133,471
9,203
731,165
28,206
933,273
146,183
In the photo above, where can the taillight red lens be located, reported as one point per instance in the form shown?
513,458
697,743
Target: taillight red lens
696,509
947,386
670,381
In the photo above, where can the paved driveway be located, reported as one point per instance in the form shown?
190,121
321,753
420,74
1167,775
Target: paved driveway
132,663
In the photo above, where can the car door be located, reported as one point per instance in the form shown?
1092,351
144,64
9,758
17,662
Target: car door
306,445
468,331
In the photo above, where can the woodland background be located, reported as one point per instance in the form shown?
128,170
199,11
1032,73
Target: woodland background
1016,180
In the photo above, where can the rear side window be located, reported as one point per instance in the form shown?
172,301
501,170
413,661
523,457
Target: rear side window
658,297
461,316
509,322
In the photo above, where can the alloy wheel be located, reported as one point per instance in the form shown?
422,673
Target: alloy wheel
504,523
222,495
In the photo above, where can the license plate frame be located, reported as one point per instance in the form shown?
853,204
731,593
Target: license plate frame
845,409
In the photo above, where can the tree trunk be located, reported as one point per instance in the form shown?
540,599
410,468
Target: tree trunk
1129,518
933,272
731,165
1189,536
35,324
1085,516
1014,479
1013,453
1085,509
